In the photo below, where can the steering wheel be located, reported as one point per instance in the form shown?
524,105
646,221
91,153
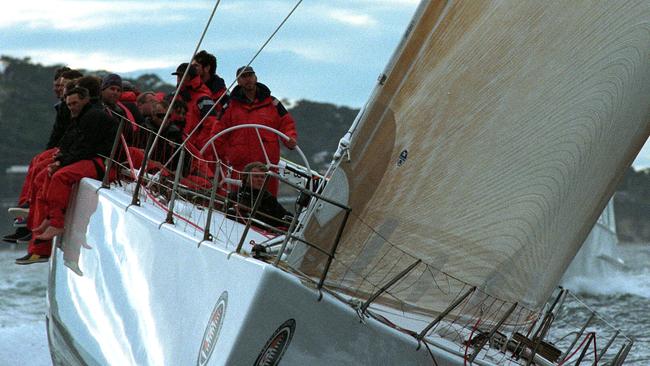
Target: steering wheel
257,127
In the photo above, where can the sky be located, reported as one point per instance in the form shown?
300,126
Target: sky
328,51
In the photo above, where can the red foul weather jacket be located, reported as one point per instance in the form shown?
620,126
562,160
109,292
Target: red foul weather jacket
199,101
242,146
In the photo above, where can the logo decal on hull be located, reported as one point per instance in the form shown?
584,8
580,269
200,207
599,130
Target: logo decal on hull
211,334
276,345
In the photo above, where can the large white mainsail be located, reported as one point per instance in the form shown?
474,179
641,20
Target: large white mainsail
488,150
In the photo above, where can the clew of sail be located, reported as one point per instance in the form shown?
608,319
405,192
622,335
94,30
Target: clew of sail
488,150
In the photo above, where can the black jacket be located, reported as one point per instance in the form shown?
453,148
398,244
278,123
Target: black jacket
215,84
262,92
270,211
61,125
91,133
171,138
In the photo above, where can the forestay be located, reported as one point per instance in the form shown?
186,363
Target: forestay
489,149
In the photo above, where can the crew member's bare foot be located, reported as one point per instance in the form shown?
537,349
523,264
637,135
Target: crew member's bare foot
41,228
50,233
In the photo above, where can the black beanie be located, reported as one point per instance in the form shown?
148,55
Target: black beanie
111,80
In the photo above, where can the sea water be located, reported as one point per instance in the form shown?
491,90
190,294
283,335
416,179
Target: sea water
623,297
23,339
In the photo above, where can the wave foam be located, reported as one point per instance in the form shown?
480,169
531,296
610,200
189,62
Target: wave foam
617,283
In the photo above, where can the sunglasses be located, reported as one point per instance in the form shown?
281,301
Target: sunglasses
160,115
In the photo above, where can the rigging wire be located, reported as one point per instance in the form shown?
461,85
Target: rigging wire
178,87
606,321
200,123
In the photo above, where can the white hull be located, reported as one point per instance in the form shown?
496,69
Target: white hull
147,294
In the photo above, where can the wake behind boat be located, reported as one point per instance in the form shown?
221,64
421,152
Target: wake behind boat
452,208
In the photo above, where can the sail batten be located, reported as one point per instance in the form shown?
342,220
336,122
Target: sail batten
493,145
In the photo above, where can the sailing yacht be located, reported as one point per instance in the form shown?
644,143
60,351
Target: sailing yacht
454,204
597,259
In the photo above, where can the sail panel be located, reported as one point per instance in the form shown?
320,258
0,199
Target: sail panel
493,145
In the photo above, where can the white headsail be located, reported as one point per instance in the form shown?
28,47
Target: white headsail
490,148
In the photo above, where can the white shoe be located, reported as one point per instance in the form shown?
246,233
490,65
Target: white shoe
16,212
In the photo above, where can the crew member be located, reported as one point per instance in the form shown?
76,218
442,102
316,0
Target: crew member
206,65
269,211
94,132
251,102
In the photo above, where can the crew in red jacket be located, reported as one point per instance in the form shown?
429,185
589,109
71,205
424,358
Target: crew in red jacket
199,102
206,65
252,102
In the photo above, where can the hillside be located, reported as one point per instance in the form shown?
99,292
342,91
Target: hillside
26,117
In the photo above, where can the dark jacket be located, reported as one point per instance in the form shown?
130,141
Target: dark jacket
91,133
217,86
171,138
270,211
61,125
138,118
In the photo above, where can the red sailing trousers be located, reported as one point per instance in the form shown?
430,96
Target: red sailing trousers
60,187
53,192
38,163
